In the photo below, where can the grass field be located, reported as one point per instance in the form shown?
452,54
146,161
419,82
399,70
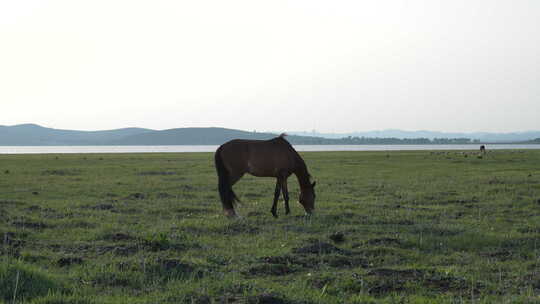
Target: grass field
396,227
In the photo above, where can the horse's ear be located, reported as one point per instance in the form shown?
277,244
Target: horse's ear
313,185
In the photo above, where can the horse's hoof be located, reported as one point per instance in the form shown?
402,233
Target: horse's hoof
230,213
287,212
274,214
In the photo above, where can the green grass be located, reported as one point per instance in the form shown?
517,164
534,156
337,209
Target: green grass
391,227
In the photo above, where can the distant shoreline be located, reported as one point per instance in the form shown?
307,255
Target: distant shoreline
9,150
321,144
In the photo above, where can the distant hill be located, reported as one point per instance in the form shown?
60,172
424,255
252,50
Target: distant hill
190,136
35,135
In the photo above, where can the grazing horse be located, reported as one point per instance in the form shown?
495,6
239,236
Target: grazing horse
264,158
483,149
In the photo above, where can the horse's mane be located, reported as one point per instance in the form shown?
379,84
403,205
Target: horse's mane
300,162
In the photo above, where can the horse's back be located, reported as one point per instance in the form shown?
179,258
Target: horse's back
234,153
258,157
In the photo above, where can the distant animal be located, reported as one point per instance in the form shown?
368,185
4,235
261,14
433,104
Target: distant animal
263,158
482,149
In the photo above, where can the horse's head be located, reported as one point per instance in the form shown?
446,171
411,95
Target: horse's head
307,198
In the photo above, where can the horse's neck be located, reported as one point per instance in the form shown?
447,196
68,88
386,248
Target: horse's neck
303,177
300,170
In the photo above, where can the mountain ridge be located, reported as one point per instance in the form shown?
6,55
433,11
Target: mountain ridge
35,135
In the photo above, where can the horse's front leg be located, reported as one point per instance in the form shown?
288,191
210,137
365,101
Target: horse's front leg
285,195
276,198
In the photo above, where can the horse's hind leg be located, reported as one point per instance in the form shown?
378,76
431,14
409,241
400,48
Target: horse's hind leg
276,198
233,178
285,195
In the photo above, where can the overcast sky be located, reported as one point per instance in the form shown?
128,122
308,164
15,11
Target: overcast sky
332,66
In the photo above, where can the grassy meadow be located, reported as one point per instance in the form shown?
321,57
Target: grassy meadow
391,227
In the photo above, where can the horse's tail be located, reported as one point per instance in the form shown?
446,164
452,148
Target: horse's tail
226,194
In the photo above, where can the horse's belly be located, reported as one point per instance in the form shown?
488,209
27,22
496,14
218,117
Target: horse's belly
260,172
265,171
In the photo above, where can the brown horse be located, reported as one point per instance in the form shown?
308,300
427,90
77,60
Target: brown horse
264,158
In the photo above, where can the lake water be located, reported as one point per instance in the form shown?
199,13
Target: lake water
177,149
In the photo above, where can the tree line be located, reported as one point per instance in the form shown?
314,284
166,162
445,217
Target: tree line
379,141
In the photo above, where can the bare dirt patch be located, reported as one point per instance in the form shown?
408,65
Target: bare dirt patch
156,173
62,172
164,195
68,261
103,206
385,281
29,224
122,250
319,248
383,241
137,195
270,269
310,257
337,237
117,236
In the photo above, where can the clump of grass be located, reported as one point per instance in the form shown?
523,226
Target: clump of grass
159,241
59,298
20,281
